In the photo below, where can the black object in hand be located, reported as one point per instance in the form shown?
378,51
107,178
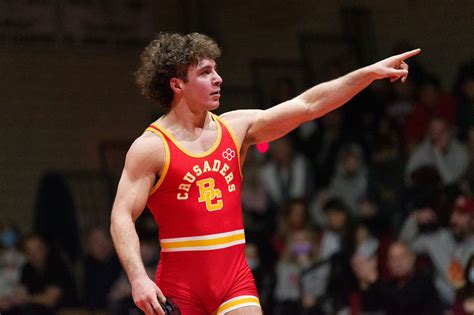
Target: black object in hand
170,307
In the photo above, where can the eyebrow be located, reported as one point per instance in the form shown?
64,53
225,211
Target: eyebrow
202,67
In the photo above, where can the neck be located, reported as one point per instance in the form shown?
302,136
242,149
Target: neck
184,117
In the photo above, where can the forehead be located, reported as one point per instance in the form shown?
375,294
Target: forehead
202,63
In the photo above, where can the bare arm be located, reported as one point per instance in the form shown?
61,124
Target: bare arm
141,166
275,122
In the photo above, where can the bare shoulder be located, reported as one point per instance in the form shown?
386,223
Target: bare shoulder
240,116
240,122
146,154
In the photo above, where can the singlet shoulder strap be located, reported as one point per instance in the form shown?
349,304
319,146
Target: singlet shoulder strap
156,130
229,129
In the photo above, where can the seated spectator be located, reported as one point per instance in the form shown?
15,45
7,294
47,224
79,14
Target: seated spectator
294,217
11,262
46,283
401,104
385,174
467,181
431,102
448,248
288,174
441,152
120,296
409,292
323,147
464,90
349,183
300,253
101,269
263,278
464,304
335,246
258,217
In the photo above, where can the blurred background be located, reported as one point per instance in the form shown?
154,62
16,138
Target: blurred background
329,209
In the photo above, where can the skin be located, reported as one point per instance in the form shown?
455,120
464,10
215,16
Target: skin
189,122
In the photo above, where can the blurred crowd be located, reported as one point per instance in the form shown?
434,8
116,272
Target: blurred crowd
367,210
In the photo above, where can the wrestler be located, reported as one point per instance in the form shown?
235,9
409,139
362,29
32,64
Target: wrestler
187,165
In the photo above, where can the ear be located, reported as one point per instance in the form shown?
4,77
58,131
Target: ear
176,85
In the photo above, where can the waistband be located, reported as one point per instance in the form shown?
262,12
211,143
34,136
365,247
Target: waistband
203,242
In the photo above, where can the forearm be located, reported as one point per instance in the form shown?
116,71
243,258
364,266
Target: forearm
127,245
309,105
330,95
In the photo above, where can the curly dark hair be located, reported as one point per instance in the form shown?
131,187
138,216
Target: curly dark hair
169,56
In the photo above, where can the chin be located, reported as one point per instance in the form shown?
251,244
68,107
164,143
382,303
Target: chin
214,106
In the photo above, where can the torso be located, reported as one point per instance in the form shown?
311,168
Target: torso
198,192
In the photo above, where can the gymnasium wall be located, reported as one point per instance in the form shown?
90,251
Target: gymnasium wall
59,103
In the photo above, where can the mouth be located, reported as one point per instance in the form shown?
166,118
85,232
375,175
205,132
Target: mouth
216,93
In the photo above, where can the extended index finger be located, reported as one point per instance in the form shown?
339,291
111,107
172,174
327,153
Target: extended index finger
408,54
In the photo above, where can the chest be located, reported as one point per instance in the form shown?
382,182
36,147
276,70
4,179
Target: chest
201,141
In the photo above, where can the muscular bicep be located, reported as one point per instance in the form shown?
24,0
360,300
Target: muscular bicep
142,164
255,126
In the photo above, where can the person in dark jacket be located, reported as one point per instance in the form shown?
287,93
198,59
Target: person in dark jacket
409,292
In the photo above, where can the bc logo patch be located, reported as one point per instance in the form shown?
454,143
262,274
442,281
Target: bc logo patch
207,194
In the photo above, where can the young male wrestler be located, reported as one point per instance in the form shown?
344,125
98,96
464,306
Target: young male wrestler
187,168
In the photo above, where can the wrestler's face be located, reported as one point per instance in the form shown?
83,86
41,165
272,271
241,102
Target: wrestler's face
202,88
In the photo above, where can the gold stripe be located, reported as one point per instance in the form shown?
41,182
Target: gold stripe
234,139
210,242
236,302
186,151
167,160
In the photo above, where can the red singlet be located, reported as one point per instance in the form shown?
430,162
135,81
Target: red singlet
196,204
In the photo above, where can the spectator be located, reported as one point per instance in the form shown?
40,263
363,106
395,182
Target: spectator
350,180
255,204
335,246
287,175
46,283
464,304
440,151
401,105
464,90
448,248
409,292
385,174
295,217
101,269
323,146
300,253
431,102
467,182
263,279
11,263
120,296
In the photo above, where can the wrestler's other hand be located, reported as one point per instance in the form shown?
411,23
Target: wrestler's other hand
393,67
145,294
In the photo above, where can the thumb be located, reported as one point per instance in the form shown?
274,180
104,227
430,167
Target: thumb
160,294
398,73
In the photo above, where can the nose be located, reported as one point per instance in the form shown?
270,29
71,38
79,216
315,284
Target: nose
217,80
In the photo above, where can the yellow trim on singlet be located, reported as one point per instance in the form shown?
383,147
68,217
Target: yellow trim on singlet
203,242
186,151
167,160
234,139
237,302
